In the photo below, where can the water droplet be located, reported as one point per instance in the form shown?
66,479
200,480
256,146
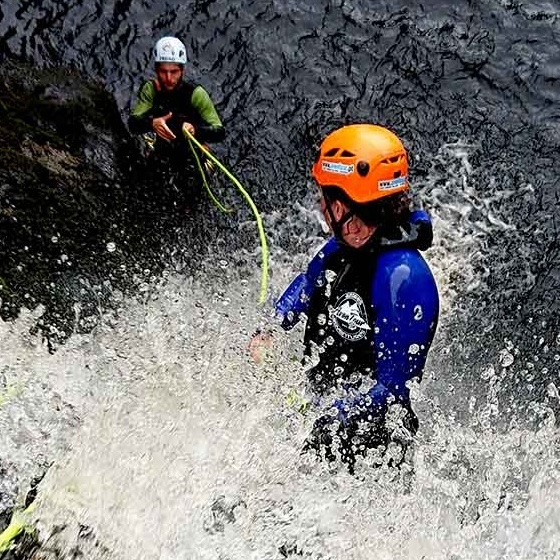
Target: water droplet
413,349
552,391
111,247
506,358
321,319
54,239
343,358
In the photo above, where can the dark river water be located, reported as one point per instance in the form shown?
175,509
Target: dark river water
473,89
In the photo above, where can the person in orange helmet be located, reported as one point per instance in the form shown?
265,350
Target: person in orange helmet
370,299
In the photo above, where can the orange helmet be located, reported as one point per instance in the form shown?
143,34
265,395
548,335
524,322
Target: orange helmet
366,161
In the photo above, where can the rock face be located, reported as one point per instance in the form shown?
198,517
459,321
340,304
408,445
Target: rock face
78,217
83,217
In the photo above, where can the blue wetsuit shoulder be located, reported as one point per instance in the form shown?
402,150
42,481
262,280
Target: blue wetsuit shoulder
405,303
294,301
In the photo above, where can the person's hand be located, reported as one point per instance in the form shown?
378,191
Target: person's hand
161,129
188,127
259,346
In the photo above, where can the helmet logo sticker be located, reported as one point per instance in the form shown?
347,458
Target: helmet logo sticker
392,183
170,49
349,317
335,167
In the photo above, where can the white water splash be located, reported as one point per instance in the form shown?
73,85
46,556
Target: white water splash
168,442
187,449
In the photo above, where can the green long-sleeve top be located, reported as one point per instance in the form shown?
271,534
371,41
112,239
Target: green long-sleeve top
188,102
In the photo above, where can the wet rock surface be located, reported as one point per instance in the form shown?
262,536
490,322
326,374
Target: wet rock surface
80,219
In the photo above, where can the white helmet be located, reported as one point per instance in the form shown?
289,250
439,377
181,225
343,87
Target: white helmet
170,49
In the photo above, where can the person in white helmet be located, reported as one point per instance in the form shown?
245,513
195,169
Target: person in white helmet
169,104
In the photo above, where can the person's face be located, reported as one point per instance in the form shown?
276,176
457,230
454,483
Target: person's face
169,75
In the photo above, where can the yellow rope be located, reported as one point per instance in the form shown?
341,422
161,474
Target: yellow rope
233,179
205,181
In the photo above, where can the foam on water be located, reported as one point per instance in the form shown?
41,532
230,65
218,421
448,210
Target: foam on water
167,441
192,452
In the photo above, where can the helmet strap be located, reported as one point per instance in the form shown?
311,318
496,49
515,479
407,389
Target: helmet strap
337,225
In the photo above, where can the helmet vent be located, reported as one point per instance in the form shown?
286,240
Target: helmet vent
334,151
393,159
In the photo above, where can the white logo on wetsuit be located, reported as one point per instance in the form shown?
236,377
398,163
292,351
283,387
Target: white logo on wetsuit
349,317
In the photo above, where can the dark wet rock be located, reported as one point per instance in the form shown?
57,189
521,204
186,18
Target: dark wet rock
8,493
78,218
290,550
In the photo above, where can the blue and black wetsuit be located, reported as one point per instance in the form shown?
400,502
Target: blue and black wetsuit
371,315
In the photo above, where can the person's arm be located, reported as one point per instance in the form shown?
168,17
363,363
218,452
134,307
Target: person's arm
406,305
141,117
295,299
213,129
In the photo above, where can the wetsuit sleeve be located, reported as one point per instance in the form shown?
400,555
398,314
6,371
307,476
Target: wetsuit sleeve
406,306
140,118
294,301
213,130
